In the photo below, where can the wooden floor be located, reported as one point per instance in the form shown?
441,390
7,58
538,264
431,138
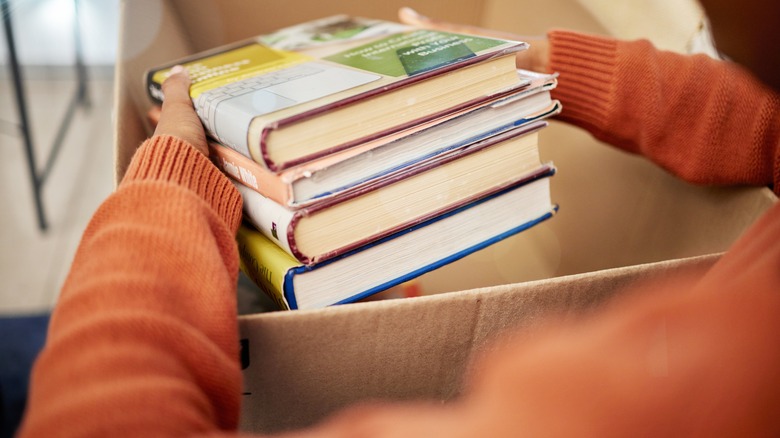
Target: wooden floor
33,264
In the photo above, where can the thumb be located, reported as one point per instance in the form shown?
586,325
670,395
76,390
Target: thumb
178,117
177,86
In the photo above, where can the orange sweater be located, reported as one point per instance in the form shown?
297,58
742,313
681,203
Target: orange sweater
143,341
706,121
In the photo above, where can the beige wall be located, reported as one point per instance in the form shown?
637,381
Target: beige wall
668,23
238,19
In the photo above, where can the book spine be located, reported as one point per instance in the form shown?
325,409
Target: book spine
251,174
269,217
265,264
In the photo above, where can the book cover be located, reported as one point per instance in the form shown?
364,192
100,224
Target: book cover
264,263
383,206
311,90
331,175
399,257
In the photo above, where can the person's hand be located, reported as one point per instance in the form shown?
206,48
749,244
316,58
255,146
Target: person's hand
536,58
178,117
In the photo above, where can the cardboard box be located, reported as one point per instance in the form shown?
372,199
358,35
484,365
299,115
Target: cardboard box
622,221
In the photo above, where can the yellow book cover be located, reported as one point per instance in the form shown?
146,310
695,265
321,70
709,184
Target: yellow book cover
265,264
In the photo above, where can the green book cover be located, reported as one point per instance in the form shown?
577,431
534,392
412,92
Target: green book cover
413,52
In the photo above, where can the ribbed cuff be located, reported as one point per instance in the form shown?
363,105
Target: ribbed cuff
586,67
167,158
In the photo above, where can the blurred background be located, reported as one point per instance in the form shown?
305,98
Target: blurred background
33,262
68,138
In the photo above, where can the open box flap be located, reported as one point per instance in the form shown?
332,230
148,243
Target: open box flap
303,365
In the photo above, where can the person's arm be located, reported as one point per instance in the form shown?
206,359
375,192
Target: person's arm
707,121
143,340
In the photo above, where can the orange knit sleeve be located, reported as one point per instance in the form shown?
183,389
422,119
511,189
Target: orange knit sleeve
707,121
143,340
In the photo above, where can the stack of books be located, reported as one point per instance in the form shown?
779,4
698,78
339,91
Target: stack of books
369,152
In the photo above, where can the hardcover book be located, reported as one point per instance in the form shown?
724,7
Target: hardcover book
330,176
311,90
386,205
399,257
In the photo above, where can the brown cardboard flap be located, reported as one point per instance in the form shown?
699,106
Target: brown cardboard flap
304,365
